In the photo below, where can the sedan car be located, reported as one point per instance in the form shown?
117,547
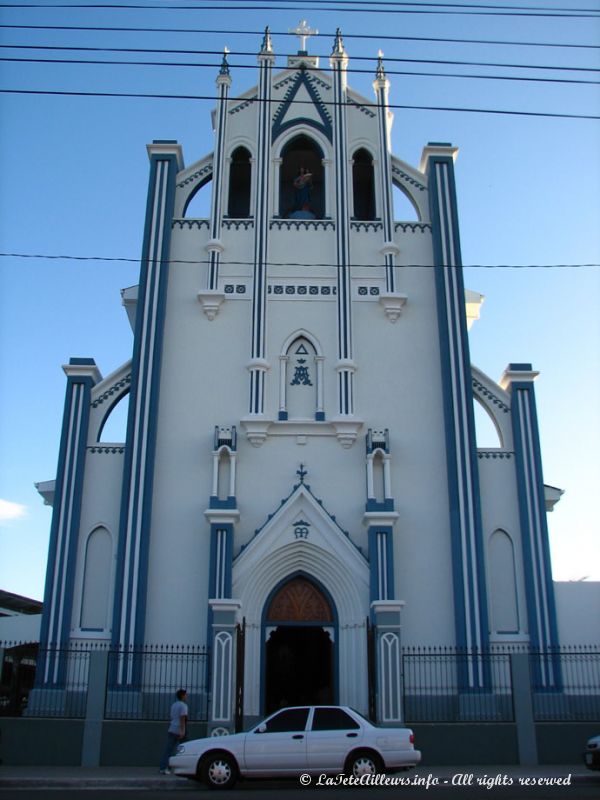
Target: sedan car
591,754
305,739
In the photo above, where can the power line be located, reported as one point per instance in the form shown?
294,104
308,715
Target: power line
249,100
232,263
196,65
391,59
344,6
257,33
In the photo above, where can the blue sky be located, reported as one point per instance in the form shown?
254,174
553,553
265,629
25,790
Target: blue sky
74,178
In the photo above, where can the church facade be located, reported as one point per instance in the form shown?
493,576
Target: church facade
300,455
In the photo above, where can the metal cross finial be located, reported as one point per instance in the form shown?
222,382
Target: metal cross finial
301,473
303,32
380,73
225,64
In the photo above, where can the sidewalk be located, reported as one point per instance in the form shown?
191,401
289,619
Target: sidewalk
150,778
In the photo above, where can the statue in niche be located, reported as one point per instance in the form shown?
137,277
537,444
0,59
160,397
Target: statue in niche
302,195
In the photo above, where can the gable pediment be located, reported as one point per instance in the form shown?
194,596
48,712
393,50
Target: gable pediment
302,104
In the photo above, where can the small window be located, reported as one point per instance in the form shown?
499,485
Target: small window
363,183
333,719
292,719
239,184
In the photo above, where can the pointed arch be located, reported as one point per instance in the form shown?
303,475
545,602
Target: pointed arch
95,589
504,605
301,378
363,185
301,155
240,182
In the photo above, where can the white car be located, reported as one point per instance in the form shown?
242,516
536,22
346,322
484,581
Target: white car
591,754
305,739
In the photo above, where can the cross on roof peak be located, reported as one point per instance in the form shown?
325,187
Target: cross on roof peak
303,31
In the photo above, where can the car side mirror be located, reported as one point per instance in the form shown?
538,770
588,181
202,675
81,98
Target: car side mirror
261,728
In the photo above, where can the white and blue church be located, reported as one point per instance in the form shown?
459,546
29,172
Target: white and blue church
300,458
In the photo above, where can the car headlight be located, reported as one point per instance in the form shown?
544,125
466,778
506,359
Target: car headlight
180,750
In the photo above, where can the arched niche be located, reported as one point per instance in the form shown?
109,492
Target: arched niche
363,185
504,607
240,180
114,425
95,590
301,153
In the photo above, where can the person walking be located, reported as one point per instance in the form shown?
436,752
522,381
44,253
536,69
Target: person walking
177,729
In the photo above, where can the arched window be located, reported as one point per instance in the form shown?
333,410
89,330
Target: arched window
363,185
301,180
503,584
240,172
96,581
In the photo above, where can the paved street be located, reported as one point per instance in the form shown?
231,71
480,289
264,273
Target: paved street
436,783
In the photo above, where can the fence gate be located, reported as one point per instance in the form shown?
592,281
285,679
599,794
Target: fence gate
239,675
371,670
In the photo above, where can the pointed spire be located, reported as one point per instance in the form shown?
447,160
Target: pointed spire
338,45
380,73
267,45
224,64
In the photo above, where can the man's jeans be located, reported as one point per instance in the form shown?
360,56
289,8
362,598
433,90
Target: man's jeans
173,740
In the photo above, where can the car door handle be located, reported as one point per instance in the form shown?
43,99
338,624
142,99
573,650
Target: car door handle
352,735
298,736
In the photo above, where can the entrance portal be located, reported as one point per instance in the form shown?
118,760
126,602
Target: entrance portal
299,651
299,667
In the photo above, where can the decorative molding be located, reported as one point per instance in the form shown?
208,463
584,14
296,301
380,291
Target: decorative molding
495,454
200,173
408,178
300,224
393,304
413,227
114,389
242,106
346,430
489,395
286,290
107,448
190,223
211,302
374,225
246,224
367,111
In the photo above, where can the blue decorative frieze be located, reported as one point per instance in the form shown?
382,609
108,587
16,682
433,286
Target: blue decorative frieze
190,223
238,288
243,105
246,224
301,224
110,449
412,227
366,111
367,226
365,291
201,173
114,389
408,178
485,392
281,290
494,454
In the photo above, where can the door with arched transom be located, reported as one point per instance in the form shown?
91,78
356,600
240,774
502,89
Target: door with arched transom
299,648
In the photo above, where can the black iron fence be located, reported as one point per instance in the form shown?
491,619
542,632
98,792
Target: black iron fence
138,683
142,682
446,684
439,684
566,683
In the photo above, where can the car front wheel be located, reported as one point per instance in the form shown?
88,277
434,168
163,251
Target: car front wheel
219,771
364,763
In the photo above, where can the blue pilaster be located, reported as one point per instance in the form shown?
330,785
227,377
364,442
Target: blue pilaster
258,365
345,366
461,450
138,471
214,246
541,610
82,375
